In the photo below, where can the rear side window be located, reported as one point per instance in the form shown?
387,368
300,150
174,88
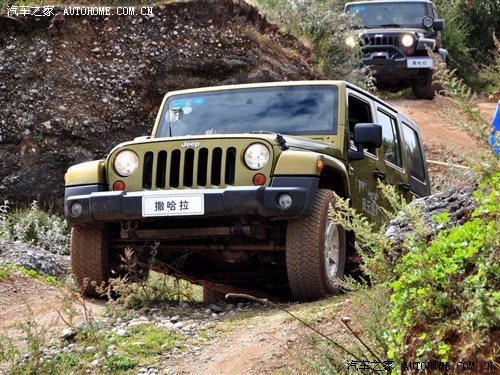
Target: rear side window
390,139
415,154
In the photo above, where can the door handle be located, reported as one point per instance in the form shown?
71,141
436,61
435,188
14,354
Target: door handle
379,174
404,186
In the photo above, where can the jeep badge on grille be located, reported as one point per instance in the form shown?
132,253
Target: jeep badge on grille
190,144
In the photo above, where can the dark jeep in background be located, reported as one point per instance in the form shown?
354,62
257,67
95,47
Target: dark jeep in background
396,37
235,184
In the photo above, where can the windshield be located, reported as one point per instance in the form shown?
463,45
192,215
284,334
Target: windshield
294,110
371,15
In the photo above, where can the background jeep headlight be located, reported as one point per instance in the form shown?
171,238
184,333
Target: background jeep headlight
256,156
351,41
407,40
126,163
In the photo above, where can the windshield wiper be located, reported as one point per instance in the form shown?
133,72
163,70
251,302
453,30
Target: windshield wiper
361,27
261,132
390,25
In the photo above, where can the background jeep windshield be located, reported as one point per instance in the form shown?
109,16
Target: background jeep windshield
409,14
294,110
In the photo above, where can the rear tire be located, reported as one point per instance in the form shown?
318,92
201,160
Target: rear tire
316,251
90,258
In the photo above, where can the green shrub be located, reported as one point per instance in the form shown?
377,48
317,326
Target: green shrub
448,289
444,289
36,227
153,291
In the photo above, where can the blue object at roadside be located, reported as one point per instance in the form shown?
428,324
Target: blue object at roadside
496,128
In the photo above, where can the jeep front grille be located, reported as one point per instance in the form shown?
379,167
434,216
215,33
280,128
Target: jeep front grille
180,168
381,41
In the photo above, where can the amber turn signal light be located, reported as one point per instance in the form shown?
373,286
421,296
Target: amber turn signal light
119,186
259,179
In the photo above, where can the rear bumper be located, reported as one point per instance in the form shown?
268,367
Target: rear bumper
97,206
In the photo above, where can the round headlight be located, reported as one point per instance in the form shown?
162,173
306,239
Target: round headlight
407,40
256,156
126,163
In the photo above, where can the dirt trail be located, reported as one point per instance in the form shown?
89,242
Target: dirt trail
258,347
23,299
270,343
434,130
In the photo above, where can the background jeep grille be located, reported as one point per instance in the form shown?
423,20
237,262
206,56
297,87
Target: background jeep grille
379,41
189,167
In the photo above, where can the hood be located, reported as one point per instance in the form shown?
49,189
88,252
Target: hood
390,30
308,144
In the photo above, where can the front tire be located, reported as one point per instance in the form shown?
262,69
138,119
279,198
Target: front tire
426,87
90,258
316,251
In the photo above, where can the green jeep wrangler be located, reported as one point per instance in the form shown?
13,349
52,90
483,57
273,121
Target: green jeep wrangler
233,187
396,37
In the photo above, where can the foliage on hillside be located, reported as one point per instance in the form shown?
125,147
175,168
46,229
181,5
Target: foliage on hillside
469,37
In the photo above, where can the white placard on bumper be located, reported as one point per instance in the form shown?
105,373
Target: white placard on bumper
173,205
419,62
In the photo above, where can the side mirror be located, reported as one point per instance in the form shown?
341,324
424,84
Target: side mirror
438,25
366,135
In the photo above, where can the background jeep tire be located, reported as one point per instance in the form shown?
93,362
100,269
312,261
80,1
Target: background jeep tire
315,251
426,87
90,258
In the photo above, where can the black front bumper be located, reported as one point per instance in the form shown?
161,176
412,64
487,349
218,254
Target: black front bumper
99,206
389,63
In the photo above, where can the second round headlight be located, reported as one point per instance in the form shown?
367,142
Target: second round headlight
126,163
407,40
256,156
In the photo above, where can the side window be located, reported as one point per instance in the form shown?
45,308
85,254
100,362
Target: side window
390,139
359,112
414,152
434,13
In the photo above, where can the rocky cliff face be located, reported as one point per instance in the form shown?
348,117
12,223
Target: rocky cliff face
72,86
